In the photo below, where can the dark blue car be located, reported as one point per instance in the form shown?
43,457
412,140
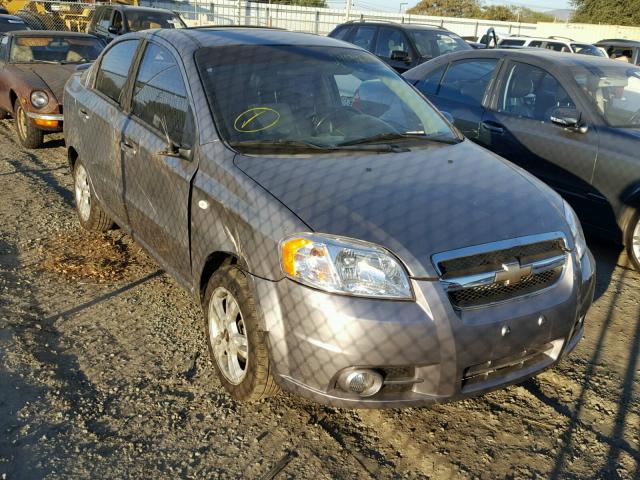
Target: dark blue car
571,120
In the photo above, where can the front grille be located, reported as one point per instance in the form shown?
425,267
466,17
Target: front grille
493,273
404,376
496,292
493,260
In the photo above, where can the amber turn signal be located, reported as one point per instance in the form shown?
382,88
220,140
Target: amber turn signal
45,123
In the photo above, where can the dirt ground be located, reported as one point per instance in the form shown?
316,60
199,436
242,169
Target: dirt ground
104,373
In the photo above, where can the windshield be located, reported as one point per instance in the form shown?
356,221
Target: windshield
433,43
316,96
146,20
55,48
585,49
614,90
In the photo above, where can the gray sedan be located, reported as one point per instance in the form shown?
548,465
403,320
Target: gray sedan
357,251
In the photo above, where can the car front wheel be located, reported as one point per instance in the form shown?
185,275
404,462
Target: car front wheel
90,215
633,241
29,135
236,343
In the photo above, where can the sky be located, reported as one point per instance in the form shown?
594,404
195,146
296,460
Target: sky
394,5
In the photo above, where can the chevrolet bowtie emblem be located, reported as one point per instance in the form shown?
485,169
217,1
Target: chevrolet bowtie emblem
513,272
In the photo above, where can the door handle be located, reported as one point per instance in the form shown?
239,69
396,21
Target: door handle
128,147
493,127
84,114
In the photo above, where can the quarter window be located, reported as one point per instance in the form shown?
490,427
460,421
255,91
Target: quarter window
531,92
466,81
114,69
160,96
429,85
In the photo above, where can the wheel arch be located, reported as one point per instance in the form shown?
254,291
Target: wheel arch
631,201
72,157
213,263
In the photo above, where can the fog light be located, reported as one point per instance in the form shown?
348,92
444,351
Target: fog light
363,382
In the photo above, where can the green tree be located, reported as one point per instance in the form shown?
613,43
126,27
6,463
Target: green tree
448,8
499,12
614,12
527,15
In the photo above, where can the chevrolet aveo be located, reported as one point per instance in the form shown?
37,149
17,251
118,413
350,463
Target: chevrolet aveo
357,251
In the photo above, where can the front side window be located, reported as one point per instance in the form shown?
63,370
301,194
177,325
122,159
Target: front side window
114,69
54,48
614,90
325,97
467,80
557,47
391,40
433,43
533,93
145,20
160,97
117,21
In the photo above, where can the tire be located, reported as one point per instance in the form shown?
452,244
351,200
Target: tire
29,135
632,241
90,215
253,380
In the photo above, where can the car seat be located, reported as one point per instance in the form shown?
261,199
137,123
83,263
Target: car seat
21,54
521,99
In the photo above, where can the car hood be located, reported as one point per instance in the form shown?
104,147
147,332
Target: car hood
53,76
417,203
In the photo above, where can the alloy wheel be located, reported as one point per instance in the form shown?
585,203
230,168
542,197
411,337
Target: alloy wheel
636,242
228,336
83,193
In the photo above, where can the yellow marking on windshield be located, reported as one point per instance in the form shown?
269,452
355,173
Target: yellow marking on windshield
253,114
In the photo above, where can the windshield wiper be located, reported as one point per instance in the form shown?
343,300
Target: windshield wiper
401,136
41,61
301,145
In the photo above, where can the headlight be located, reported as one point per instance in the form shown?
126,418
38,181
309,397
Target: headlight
342,265
39,98
576,230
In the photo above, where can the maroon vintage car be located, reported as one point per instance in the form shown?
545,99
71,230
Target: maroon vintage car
34,66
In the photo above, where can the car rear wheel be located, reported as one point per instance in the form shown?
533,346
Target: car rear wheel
28,134
236,343
90,215
633,241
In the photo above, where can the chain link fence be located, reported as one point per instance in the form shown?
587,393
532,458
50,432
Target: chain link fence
75,16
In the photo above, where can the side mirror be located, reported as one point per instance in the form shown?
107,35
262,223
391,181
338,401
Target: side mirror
448,116
400,56
568,118
114,30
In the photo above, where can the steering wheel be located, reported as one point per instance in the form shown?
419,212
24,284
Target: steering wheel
327,117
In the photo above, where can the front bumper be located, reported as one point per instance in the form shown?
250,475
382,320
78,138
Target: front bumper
426,344
46,121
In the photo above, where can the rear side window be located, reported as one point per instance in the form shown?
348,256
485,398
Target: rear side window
429,85
364,37
160,96
467,80
114,69
105,19
535,43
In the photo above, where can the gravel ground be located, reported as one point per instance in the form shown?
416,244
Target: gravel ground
104,373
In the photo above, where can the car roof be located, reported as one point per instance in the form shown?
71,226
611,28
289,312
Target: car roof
405,26
47,33
225,36
543,57
10,17
136,8
619,41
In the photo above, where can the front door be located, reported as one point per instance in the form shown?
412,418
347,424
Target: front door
519,129
157,167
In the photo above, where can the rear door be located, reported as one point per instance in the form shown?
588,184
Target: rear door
103,121
518,127
157,178
461,92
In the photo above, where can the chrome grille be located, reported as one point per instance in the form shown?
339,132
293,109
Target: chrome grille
493,273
